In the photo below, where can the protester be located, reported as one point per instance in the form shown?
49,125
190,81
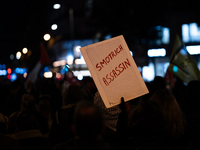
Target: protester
44,109
6,142
13,100
192,112
88,88
179,90
155,122
174,117
71,97
28,132
146,123
159,83
27,103
110,116
88,128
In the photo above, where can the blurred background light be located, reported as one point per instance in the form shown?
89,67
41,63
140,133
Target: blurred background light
76,51
56,63
165,35
80,61
12,56
82,72
190,32
54,26
148,72
47,37
24,50
13,77
62,62
185,33
9,77
62,71
9,71
77,48
56,6
46,69
70,59
18,55
17,70
58,76
175,68
80,77
193,50
25,75
3,72
160,52
48,74
3,66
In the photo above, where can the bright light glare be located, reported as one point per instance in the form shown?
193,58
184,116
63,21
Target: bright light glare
80,61
56,6
46,37
24,50
185,33
193,50
190,32
166,35
62,62
18,55
54,26
48,74
83,73
193,29
56,63
80,77
148,72
70,59
59,63
160,52
3,72
78,48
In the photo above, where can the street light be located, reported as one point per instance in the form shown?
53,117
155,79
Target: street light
18,55
46,37
24,50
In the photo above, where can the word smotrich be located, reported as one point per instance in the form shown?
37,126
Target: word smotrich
114,73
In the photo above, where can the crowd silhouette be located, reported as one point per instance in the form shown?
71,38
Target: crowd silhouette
49,115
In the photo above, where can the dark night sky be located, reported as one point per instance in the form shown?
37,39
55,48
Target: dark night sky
24,22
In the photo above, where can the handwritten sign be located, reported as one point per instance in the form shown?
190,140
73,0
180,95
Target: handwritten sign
114,71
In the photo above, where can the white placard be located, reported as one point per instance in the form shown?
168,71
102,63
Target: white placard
114,71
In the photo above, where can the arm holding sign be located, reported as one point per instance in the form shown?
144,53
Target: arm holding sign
122,124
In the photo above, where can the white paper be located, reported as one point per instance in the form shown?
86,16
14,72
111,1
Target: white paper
114,71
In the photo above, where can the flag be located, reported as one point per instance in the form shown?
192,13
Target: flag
182,63
44,60
169,79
